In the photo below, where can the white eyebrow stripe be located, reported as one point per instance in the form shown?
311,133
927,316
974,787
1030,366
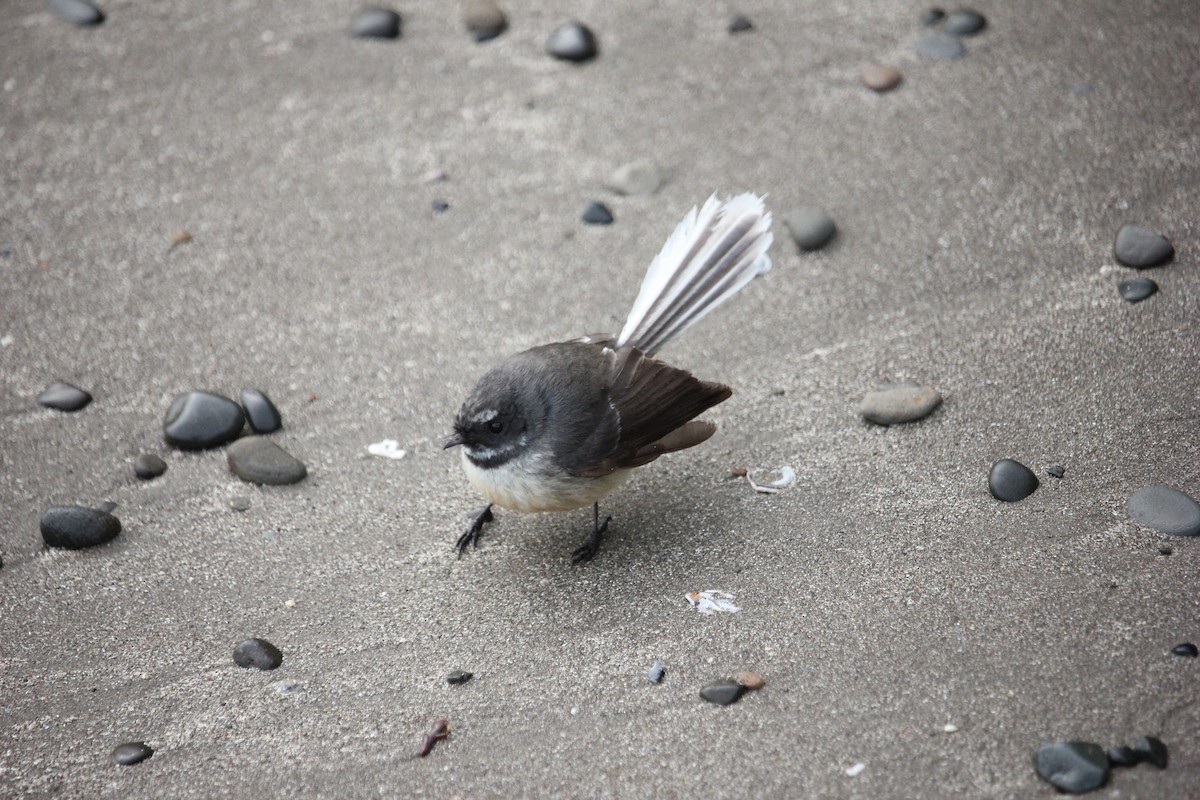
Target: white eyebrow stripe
484,416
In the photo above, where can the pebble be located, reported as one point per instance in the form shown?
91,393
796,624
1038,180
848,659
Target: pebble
1072,767
76,11
740,24
197,420
459,677
286,687
899,404
257,653
880,77
965,22
597,214
656,672
64,397
811,228
440,206
1122,756
258,460
943,46
484,19
1185,649
1056,470
1140,247
76,527
572,42
932,16
376,23
751,680
261,413
1136,290
723,693
108,506
1151,750
239,503
131,753
1165,509
635,178
148,466
1011,481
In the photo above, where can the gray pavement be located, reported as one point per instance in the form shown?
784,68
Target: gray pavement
885,595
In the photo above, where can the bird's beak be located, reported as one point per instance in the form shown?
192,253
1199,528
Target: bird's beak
453,441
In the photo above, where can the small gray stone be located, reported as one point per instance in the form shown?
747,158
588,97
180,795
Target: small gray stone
76,527
376,23
1151,750
148,466
239,503
597,214
257,653
932,16
740,24
811,228
1165,509
899,404
261,413
197,420
131,753
1011,481
76,11
1056,470
965,22
1073,767
1140,247
635,178
108,506
459,677
656,672
572,42
722,693
63,397
942,46
287,687
258,460
1136,290
483,19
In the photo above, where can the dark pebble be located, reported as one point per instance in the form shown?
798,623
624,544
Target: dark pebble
965,22
148,466
1072,767
942,46
76,11
740,24
1186,649
1140,247
811,228
131,753
723,693
257,653
597,214
1166,510
572,42
440,206
1165,550
1151,750
1136,290
1056,470
76,527
932,16
197,420
484,19
261,413
376,23
656,672
64,397
1011,481
459,677
1123,756
258,460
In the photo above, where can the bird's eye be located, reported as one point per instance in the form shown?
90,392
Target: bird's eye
496,426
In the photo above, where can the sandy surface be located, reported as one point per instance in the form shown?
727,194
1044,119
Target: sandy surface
884,595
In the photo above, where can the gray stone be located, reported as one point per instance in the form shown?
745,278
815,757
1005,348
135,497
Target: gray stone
1011,481
63,397
635,178
197,420
1185,649
597,214
76,527
740,24
572,42
722,693
148,466
965,22
459,677
1056,470
257,653
376,23
656,672
899,404
1072,767
258,460
483,19
76,11
1136,290
1140,247
261,413
131,753
811,228
932,16
1151,750
1165,509
942,46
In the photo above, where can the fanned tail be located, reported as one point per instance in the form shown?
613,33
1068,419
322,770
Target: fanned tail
712,254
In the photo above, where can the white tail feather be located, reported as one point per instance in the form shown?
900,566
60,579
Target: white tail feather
712,254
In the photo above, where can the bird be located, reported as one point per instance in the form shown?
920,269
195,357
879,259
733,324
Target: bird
560,426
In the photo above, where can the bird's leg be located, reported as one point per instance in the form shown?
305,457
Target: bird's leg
592,545
471,537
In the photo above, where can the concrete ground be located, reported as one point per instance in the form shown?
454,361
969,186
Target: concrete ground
884,595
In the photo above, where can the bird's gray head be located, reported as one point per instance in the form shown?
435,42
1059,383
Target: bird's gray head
502,417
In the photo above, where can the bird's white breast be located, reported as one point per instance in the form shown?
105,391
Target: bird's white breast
532,483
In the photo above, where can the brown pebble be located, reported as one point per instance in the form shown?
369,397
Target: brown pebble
181,237
751,680
738,472
881,78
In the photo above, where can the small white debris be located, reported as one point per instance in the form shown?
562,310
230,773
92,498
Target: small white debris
950,727
787,476
712,601
388,448
6,340
856,769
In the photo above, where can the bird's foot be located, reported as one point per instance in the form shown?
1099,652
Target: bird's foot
471,537
592,546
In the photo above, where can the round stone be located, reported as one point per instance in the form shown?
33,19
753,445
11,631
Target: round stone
76,11
740,24
376,23
899,404
459,677
257,653
722,693
880,77
261,413
942,46
1151,750
148,466
1165,509
572,42
1074,767
64,397
483,19
76,527
1185,649
932,16
1136,290
751,680
258,460
965,22
597,214
197,420
1011,481
811,228
1140,247
131,753
635,178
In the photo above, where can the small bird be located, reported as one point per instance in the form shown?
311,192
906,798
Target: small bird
559,426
